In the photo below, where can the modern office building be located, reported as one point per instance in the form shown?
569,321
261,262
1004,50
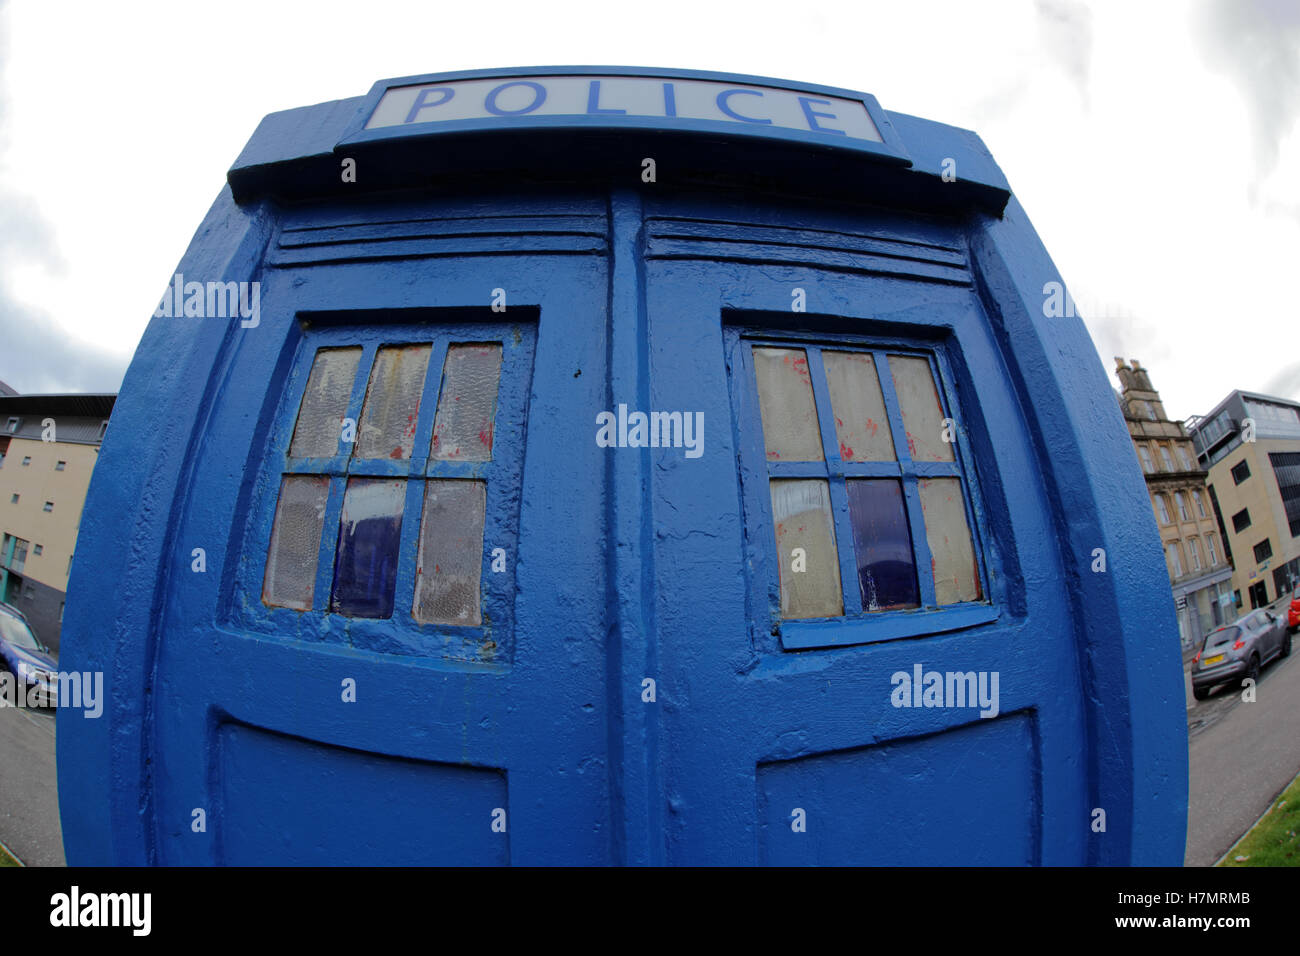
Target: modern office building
1250,445
48,447
1199,568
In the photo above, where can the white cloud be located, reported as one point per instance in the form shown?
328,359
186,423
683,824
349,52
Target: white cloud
1134,157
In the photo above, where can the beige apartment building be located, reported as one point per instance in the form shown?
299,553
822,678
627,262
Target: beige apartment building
1250,445
48,448
1199,567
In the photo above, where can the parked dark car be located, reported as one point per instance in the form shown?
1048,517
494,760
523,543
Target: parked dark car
22,653
1237,651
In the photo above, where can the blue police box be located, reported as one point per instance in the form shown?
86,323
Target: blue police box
619,466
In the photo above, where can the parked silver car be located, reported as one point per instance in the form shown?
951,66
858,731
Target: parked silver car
1238,650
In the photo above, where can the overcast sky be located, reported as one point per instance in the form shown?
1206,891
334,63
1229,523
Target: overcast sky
1155,146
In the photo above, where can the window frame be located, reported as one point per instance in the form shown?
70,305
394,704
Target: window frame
1162,510
502,475
1243,464
1144,457
854,627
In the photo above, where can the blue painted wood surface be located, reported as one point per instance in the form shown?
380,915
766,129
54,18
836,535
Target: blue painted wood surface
625,565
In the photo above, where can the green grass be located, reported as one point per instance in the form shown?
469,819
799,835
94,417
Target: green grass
1275,839
6,859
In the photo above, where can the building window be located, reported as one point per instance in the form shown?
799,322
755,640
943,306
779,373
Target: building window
1151,411
1166,458
1241,520
1240,472
27,460
1263,551
1211,550
1286,469
61,604
13,499
1185,458
1200,503
1194,550
48,506
103,429
1175,560
1161,509
426,468
60,465
1145,454
13,553
1181,502
867,496
38,550
12,425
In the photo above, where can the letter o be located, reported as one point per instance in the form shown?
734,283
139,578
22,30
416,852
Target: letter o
539,97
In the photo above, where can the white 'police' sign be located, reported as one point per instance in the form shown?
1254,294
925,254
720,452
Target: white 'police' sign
648,97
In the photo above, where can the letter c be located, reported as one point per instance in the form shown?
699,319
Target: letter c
723,104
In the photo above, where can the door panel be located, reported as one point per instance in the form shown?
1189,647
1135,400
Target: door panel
323,737
780,748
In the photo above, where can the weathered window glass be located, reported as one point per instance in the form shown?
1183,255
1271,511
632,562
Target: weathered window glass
785,395
805,546
861,422
882,542
463,428
365,565
388,417
918,400
325,404
451,553
295,542
956,575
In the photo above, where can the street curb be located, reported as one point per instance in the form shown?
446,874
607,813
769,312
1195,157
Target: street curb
14,856
1250,829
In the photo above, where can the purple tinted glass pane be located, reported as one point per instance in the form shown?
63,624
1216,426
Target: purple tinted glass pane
882,541
370,528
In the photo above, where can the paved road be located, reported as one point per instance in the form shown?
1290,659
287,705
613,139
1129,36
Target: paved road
29,804
1242,756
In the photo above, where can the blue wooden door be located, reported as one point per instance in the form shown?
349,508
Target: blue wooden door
395,654
861,633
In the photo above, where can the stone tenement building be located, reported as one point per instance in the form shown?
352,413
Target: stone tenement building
1199,571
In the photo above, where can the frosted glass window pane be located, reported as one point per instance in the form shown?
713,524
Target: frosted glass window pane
325,403
952,554
451,553
801,509
861,422
918,400
295,542
370,529
462,430
387,427
785,395
882,542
